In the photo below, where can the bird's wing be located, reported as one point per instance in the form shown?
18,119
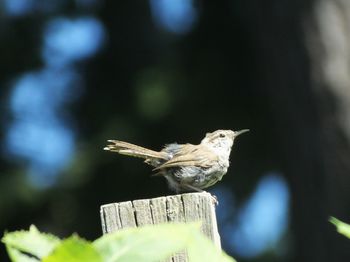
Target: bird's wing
190,155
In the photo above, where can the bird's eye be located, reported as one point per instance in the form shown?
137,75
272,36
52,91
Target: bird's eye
222,135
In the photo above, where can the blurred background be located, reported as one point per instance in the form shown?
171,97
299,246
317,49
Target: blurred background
74,73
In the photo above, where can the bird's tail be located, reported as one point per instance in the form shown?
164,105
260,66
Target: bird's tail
128,149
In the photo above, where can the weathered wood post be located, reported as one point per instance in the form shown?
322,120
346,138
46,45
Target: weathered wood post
178,208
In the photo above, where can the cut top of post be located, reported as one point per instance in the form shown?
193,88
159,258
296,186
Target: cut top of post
181,208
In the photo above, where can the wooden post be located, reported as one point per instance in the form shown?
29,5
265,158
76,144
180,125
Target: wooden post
178,208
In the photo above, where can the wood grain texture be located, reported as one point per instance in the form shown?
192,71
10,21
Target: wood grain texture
169,209
126,215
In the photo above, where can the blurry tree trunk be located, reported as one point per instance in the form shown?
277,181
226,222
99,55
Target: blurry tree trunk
305,70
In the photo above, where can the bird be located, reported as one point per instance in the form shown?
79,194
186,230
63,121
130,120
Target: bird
186,167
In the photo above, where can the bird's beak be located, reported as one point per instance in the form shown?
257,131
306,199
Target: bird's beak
240,132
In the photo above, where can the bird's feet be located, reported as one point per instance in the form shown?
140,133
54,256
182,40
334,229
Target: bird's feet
214,199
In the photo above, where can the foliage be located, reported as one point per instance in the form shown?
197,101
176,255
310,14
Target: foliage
342,227
148,243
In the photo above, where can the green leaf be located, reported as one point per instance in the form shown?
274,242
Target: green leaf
32,242
342,227
148,243
16,255
74,249
201,249
158,242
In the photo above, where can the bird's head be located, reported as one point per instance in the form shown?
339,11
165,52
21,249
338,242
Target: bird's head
222,140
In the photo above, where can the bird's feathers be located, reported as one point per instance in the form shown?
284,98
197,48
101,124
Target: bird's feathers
171,156
134,150
186,167
190,155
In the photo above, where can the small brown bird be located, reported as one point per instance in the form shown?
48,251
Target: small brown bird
186,167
